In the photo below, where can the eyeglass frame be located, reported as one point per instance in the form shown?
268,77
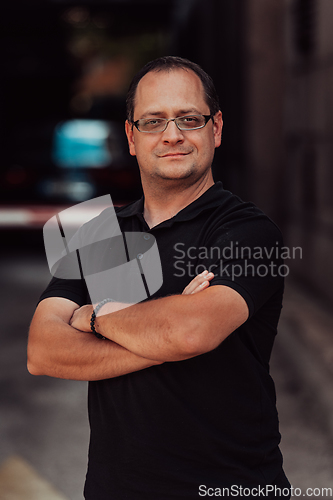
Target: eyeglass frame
167,120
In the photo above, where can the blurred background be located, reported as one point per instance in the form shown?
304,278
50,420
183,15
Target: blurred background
66,67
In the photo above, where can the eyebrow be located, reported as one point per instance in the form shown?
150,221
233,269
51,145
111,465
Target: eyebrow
181,112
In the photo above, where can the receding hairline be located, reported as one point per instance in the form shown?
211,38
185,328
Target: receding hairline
168,64
169,70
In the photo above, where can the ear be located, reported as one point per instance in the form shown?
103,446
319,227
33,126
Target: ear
130,137
218,125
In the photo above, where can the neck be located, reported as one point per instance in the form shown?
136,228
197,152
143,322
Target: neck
164,202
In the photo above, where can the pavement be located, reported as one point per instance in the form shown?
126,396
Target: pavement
44,426
19,480
301,366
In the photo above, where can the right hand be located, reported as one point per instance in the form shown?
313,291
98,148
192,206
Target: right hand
200,282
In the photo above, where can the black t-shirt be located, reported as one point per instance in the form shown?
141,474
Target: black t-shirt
160,433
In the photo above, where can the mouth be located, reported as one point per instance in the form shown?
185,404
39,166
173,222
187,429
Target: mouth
174,155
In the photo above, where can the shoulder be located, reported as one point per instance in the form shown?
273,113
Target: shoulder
106,224
242,221
130,209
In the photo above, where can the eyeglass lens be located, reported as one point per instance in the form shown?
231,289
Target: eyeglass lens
160,124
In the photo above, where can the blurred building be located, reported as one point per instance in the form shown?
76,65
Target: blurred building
308,121
288,127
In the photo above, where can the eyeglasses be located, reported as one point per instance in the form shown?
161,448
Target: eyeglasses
155,125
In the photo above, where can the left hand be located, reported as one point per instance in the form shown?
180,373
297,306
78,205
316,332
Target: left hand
81,318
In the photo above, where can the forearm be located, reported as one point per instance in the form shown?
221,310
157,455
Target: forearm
59,350
171,328
153,329
176,327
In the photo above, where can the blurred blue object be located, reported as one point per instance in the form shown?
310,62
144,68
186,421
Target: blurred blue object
82,144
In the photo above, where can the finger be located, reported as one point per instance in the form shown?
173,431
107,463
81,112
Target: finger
199,288
195,284
199,279
204,284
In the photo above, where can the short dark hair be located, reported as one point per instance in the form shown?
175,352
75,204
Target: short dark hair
168,63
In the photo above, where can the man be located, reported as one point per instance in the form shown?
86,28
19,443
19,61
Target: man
181,402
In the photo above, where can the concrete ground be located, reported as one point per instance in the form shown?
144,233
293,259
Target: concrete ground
301,366
43,422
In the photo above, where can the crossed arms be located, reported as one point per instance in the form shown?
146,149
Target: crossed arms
168,329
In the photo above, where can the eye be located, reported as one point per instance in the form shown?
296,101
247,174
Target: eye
190,119
152,122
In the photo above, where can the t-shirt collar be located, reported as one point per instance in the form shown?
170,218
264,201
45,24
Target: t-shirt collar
209,199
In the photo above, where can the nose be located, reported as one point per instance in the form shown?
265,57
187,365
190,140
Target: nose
172,134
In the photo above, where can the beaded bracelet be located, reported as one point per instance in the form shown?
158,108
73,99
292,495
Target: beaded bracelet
93,317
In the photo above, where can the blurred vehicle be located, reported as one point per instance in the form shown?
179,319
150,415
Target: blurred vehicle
62,164
72,161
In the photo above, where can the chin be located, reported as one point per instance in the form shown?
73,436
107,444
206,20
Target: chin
175,178
176,173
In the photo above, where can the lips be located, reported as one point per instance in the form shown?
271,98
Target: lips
172,155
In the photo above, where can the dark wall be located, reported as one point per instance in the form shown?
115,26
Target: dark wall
213,36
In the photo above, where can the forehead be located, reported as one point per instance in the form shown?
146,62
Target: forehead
170,91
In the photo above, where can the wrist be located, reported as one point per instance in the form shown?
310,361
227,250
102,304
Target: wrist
93,318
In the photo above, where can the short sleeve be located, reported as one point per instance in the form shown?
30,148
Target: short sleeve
74,290
65,282
69,266
247,257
